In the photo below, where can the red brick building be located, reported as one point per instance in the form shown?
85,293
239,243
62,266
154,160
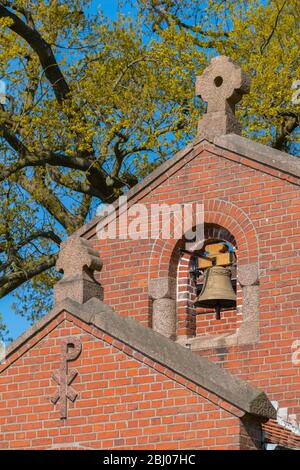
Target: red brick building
125,359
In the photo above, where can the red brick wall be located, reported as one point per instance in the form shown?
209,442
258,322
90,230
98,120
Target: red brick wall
125,400
261,211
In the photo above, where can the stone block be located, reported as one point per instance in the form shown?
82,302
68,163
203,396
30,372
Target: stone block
164,317
164,287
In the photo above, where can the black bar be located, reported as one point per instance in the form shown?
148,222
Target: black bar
146,459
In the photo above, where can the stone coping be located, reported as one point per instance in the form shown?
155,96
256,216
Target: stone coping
171,355
263,154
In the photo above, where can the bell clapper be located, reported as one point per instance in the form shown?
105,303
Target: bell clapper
218,312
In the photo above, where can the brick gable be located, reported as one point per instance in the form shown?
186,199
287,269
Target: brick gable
251,192
123,403
126,399
254,205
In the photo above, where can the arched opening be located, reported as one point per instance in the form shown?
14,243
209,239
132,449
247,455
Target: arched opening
173,290
195,321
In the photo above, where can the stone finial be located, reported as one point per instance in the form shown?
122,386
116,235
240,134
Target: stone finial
78,260
222,85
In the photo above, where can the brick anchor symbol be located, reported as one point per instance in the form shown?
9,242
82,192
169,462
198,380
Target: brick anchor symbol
70,350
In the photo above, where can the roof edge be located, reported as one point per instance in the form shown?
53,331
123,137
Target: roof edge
259,153
67,304
171,355
139,187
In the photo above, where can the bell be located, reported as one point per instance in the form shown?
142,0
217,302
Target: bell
217,291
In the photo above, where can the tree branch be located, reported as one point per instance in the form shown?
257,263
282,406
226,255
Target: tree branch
75,185
96,176
290,122
166,16
42,49
34,236
36,187
12,280
267,41
84,208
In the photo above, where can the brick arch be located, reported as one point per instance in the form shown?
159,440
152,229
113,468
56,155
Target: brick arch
186,324
237,222
171,311
165,253
214,232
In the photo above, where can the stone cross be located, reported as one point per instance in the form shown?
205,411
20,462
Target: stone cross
222,85
78,260
70,350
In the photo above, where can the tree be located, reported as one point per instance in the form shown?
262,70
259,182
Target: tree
93,105
264,38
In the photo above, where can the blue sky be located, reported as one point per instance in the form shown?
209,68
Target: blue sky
109,7
14,323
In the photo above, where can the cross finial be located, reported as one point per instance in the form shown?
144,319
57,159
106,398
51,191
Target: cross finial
77,257
222,85
78,260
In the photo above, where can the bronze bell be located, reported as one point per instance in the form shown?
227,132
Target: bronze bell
217,291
